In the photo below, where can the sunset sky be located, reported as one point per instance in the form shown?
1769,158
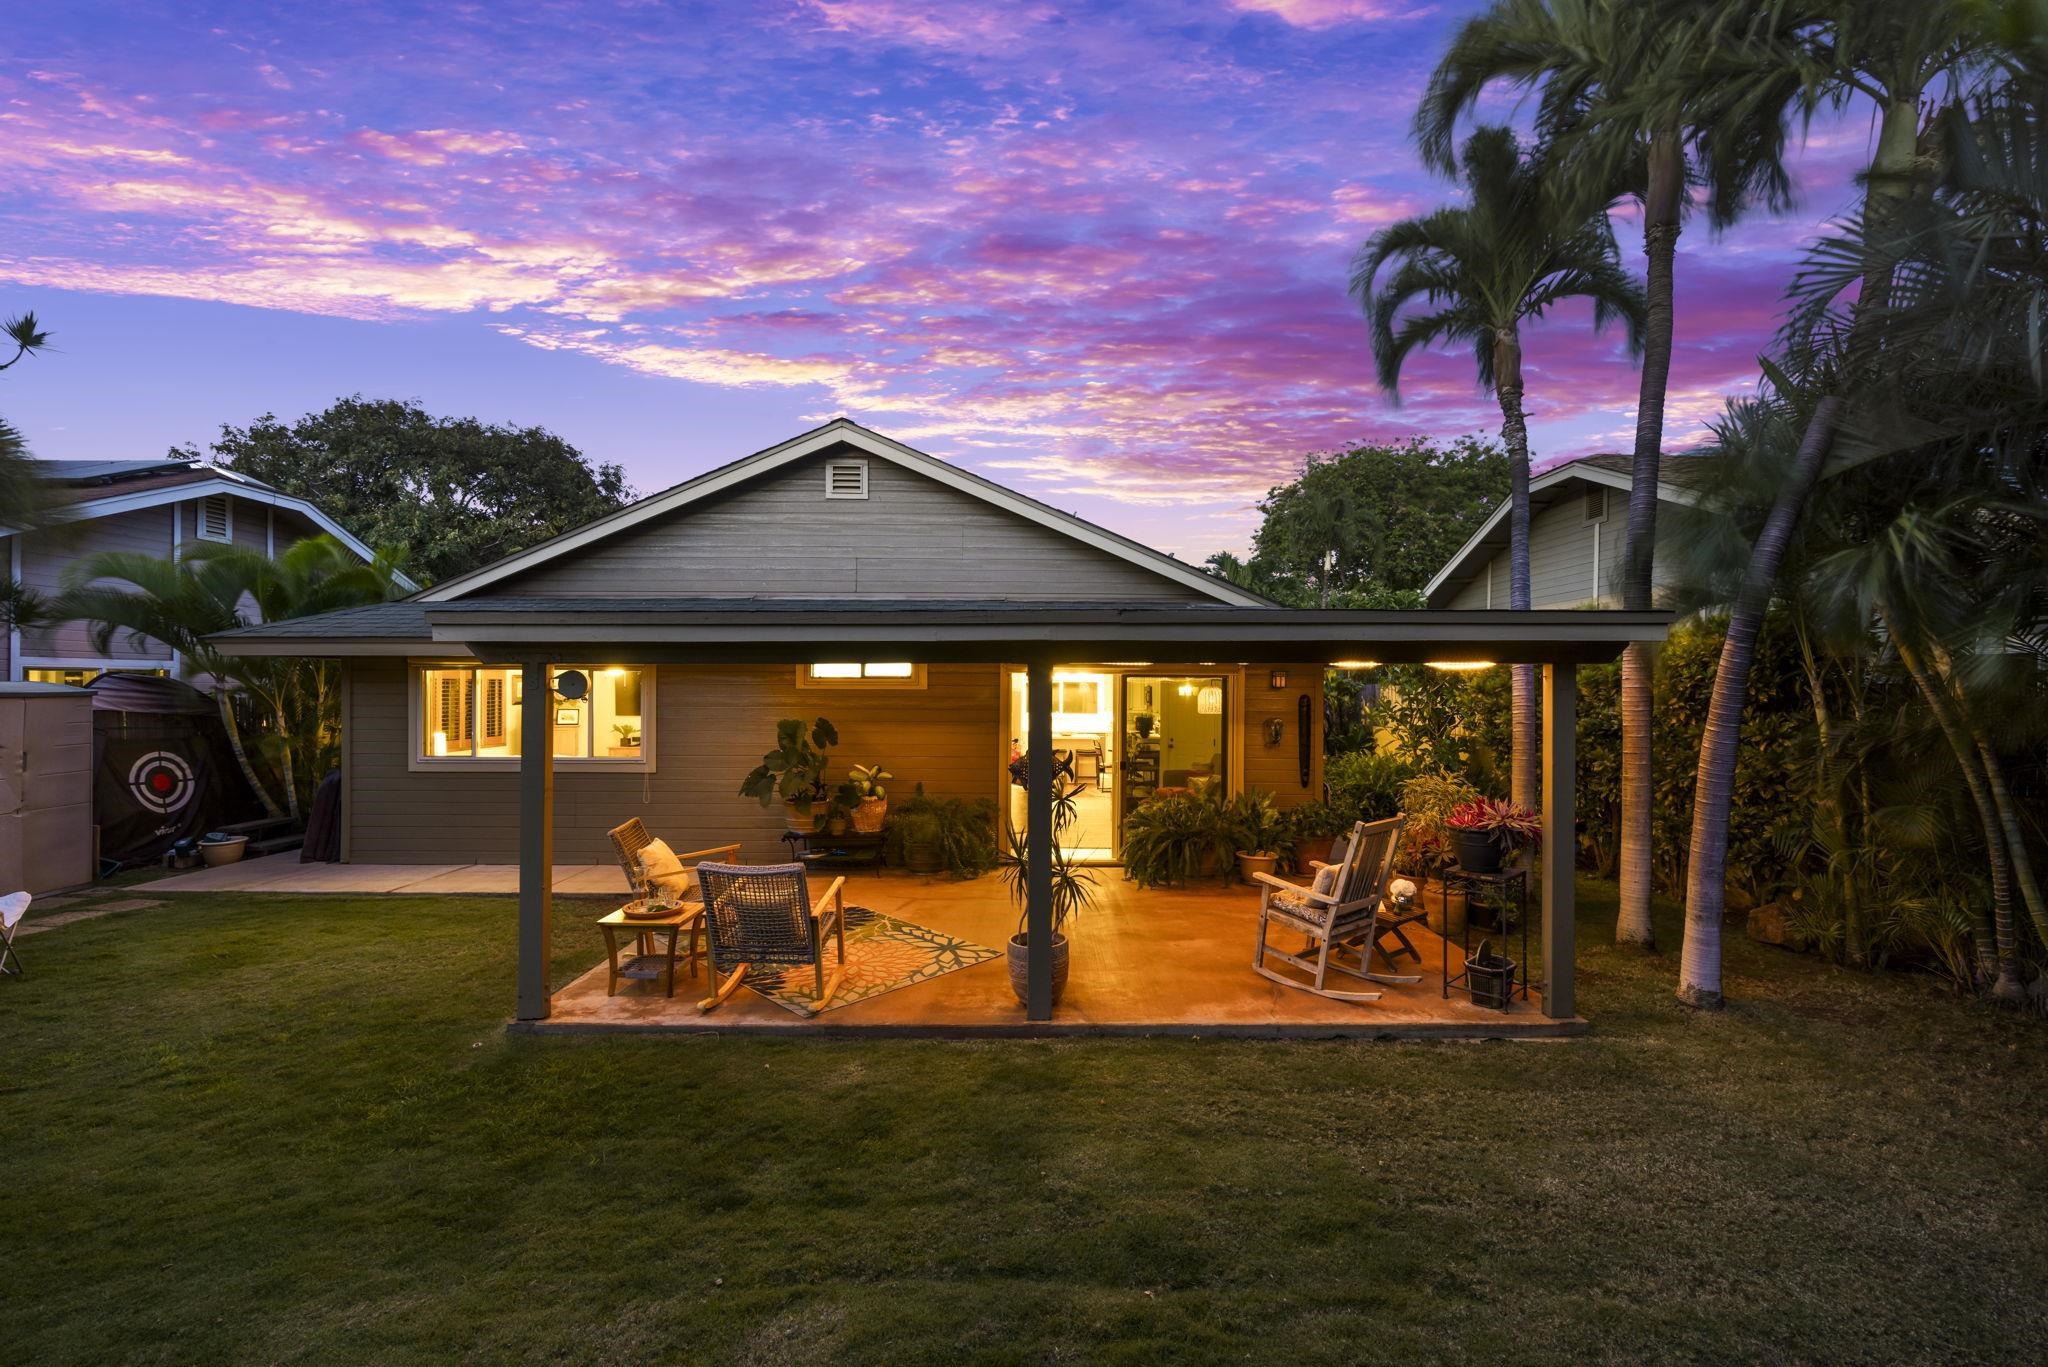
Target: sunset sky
1096,252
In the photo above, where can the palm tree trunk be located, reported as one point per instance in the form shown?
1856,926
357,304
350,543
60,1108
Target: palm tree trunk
1514,431
1706,890
291,778
225,702
1997,959
1660,251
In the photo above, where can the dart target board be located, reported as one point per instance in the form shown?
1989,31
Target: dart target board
162,782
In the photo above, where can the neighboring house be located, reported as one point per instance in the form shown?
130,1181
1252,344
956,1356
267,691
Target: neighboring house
1578,528
156,507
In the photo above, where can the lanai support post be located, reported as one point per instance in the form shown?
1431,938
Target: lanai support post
1560,843
1038,839
536,838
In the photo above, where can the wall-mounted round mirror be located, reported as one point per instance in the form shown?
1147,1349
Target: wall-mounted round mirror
572,684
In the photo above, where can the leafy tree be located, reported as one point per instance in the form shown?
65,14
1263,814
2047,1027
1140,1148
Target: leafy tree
1373,521
1527,239
183,601
455,493
1605,96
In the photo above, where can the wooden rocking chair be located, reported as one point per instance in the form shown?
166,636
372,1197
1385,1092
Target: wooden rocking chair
763,915
1345,913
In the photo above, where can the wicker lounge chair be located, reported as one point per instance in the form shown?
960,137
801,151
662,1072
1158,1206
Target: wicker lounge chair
1346,912
763,916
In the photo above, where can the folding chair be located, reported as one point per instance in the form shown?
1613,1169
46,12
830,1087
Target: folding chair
13,907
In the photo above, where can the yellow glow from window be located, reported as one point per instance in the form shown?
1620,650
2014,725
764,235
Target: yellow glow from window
835,671
887,671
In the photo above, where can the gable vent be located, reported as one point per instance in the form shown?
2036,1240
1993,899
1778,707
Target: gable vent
1596,503
216,518
846,479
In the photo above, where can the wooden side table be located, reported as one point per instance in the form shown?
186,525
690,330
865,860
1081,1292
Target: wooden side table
649,964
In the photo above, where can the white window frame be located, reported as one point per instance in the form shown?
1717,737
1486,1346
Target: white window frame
227,506
415,696
916,679
846,463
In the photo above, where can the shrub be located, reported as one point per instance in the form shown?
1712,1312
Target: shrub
1368,783
1174,838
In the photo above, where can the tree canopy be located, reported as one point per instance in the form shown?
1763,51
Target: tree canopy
1393,514
456,493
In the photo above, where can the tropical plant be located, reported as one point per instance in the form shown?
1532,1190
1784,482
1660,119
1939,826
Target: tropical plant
794,771
959,832
1526,240
1510,826
23,497
1616,93
1256,824
1368,782
1073,885
866,781
1427,800
183,602
1174,838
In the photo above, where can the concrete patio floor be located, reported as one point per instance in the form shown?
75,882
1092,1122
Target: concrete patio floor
1145,961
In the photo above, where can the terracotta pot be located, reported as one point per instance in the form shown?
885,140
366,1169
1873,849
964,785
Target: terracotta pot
1312,848
1020,967
869,814
1250,866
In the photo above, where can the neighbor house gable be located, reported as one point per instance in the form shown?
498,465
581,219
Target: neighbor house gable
842,512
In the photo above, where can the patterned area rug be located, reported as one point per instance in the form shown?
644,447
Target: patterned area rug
882,954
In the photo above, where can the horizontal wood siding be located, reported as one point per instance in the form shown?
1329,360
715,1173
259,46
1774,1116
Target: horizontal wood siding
912,537
44,557
711,726
1276,769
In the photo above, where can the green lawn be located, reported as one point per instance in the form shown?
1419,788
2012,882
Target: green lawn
293,1129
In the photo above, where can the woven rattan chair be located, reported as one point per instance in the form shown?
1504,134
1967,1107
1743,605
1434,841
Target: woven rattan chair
1347,914
763,916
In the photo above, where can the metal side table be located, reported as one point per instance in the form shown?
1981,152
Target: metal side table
1494,885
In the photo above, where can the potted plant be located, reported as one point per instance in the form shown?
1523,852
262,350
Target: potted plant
1175,836
1258,826
1485,829
870,800
1073,890
1312,828
1142,723
927,835
794,770
627,737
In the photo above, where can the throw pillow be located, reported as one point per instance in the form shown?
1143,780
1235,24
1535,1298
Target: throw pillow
664,872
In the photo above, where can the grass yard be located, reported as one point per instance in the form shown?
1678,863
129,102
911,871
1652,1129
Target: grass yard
293,1130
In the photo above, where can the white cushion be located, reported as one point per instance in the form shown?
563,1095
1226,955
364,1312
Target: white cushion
664,872
13,907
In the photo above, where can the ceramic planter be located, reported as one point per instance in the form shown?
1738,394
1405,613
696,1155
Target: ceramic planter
1478,851
1250,866
218,852
802,816
1020,967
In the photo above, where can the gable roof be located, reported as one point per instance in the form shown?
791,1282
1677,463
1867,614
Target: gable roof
88,489
837,433
1680,478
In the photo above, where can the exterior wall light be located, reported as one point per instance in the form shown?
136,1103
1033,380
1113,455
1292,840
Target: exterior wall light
1277,679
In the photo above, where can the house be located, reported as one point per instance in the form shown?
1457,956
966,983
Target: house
945,624
1578,528
156,507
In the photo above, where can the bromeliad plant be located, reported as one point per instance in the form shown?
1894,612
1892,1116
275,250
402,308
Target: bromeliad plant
794,770
1485,830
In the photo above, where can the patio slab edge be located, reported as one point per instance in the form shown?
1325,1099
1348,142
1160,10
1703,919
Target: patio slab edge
1576,1027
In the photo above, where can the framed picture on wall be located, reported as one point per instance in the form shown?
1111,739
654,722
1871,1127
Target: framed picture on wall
566,716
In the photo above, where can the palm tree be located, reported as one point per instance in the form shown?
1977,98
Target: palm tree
1934,363
1604,71
21,491
1526,240
182,602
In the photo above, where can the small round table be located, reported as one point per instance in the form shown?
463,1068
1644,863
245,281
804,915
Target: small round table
649,964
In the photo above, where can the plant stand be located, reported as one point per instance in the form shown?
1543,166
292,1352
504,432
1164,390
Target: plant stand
850,849
1495,886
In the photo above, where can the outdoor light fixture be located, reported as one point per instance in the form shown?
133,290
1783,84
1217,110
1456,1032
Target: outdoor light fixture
1354,664
1277,679
1459,666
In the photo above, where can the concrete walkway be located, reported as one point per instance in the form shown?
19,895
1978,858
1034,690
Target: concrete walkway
283,873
